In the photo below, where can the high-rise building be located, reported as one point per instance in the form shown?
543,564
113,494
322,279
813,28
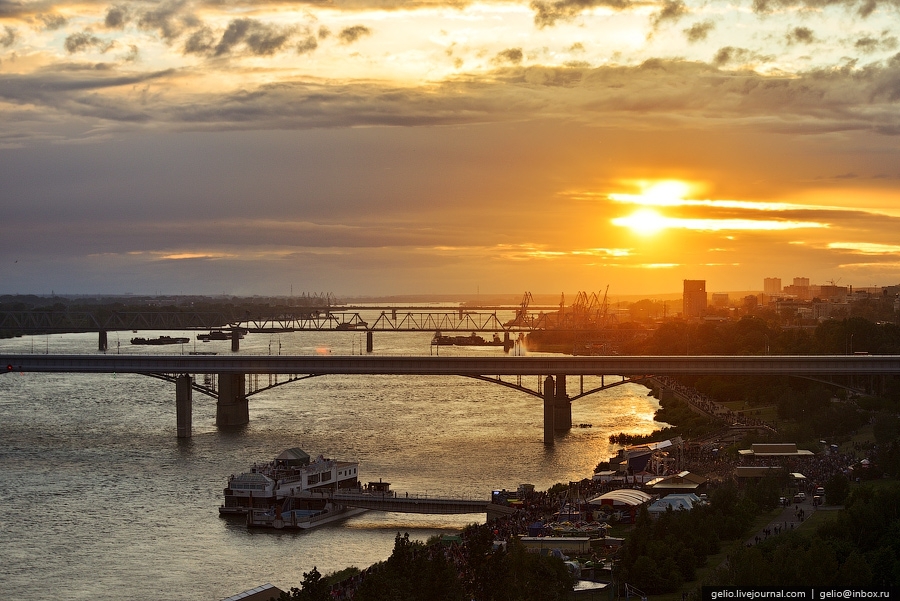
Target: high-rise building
694,298
772,286
799,289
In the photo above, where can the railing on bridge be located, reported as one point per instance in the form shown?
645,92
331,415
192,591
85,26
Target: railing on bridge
406,503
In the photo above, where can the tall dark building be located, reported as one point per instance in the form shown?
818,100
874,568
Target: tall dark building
694,298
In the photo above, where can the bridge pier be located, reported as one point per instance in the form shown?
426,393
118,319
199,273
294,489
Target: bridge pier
370,341
562,406
235,340
183,405
102,342
232,408
549,409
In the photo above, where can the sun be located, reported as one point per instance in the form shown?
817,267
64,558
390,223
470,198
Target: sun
643,222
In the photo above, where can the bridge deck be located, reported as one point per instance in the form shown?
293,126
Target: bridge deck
413,504
442,365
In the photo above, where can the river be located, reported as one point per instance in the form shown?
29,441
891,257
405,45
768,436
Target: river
100,501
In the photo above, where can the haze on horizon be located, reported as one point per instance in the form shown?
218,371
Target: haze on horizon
387,147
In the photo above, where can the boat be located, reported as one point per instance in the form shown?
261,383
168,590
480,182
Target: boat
472,339
219,335
291,491
161,340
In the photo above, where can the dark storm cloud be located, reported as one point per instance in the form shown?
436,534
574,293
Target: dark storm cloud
201,41
52,21
731,55
307,45
116,17
249,35
170,19
85,40
9,37
510,55
672,10
822,100
868,44
301,105
660,91
10,9
554,77
132,55
801,35
348,35
699,31
77,90
546,13
258,38
863,8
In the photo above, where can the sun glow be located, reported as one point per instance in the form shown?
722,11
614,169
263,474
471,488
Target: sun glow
671,194
644,222
647,222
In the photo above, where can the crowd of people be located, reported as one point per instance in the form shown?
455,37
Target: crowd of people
700,401
544,506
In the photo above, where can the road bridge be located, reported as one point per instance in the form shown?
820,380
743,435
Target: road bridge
232,371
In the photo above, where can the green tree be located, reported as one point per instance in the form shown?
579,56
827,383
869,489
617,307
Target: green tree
836,489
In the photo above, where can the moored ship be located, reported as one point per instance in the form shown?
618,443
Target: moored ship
160,341
471,340
220,335
287,486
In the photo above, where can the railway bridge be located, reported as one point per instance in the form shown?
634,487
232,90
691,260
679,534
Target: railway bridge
231,373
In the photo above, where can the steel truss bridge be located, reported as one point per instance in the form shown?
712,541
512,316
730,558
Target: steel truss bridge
484,319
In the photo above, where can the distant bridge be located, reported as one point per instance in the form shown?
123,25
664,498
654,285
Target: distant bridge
380,319
332,319
231,372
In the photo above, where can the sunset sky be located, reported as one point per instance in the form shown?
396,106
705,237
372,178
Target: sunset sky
390,147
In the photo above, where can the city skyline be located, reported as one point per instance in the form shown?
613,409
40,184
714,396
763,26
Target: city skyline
377,147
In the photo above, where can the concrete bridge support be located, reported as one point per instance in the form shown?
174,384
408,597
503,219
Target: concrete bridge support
183,405
232,408
102,342
562,406
235,340
549,409
370,341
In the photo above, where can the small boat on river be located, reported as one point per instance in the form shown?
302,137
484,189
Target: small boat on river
219,335
160,341
472,339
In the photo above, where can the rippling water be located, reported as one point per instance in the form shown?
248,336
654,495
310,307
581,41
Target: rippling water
101,501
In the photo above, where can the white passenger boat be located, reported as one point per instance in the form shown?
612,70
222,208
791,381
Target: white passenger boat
290,475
